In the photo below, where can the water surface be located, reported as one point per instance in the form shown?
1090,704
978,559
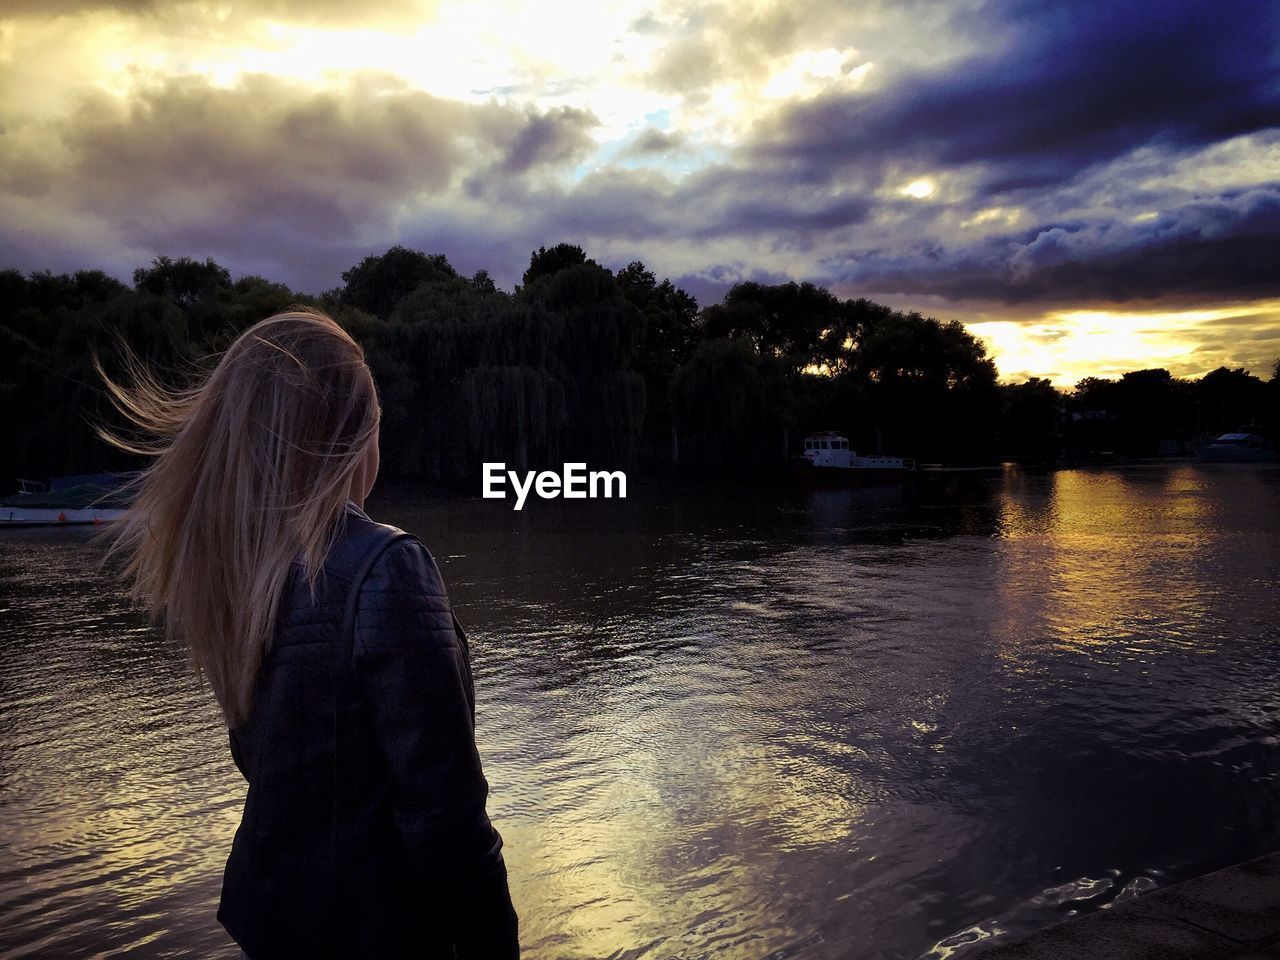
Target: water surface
742,724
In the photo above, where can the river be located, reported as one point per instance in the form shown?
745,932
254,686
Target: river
746,724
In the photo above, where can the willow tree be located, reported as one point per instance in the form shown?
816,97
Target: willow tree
427,337
734,408
671,334
484,379
52,398
601,331
513,415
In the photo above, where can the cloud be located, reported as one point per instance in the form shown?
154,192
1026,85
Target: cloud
989,159
707,45
265,172
717,41
555,137
1207,249
258,150
1077,85
313,11
651,142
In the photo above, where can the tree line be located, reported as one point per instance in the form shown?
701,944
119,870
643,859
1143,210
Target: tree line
579,362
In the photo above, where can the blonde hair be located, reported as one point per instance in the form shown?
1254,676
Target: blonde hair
252,469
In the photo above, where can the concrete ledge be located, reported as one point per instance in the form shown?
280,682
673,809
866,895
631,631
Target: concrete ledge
1233,913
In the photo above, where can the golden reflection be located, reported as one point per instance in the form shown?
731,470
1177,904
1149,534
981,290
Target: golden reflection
1096,561
678,828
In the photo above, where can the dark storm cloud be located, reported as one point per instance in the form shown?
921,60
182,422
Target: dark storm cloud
1224,246
556,137
1078,84
719,203
1042,117
1049,120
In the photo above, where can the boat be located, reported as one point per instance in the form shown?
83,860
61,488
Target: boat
91,498
1243,446
828,459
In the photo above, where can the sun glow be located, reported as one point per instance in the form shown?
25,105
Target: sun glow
1066,346
503,51
919,189
815,71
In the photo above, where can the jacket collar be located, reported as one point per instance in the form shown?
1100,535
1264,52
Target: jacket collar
352,508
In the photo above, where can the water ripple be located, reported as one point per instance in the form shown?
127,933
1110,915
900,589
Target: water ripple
847,724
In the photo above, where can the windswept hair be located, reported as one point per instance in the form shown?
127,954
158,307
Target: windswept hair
251,471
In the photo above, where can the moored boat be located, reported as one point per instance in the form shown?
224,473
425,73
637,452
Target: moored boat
1243,446
828,459
81,499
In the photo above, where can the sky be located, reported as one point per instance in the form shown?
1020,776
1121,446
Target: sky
1092,187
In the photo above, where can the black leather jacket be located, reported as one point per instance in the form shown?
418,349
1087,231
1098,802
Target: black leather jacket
364,832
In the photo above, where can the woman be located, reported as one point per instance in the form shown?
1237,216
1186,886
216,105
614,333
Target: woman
330,645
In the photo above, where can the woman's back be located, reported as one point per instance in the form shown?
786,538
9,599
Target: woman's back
364,831
330,646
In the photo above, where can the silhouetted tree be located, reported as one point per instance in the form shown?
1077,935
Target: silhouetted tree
581,364
377,283
1228,399
1271,418
927,386
1031,418
184,281
604,397
803,324
483,282
732,405
671,331
671,334
544,262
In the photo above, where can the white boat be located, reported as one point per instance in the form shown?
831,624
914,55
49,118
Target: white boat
81,499
828,458
1244,446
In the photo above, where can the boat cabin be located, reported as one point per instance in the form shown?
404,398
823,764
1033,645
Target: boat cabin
827,450
1242,446
1252,440
832,450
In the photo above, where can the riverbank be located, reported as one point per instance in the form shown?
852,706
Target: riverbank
1232,914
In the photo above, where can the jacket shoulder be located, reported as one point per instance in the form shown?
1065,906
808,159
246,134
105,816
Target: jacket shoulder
312,617
403,600
360,539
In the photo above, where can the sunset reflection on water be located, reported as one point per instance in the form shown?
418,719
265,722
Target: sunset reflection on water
834,724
